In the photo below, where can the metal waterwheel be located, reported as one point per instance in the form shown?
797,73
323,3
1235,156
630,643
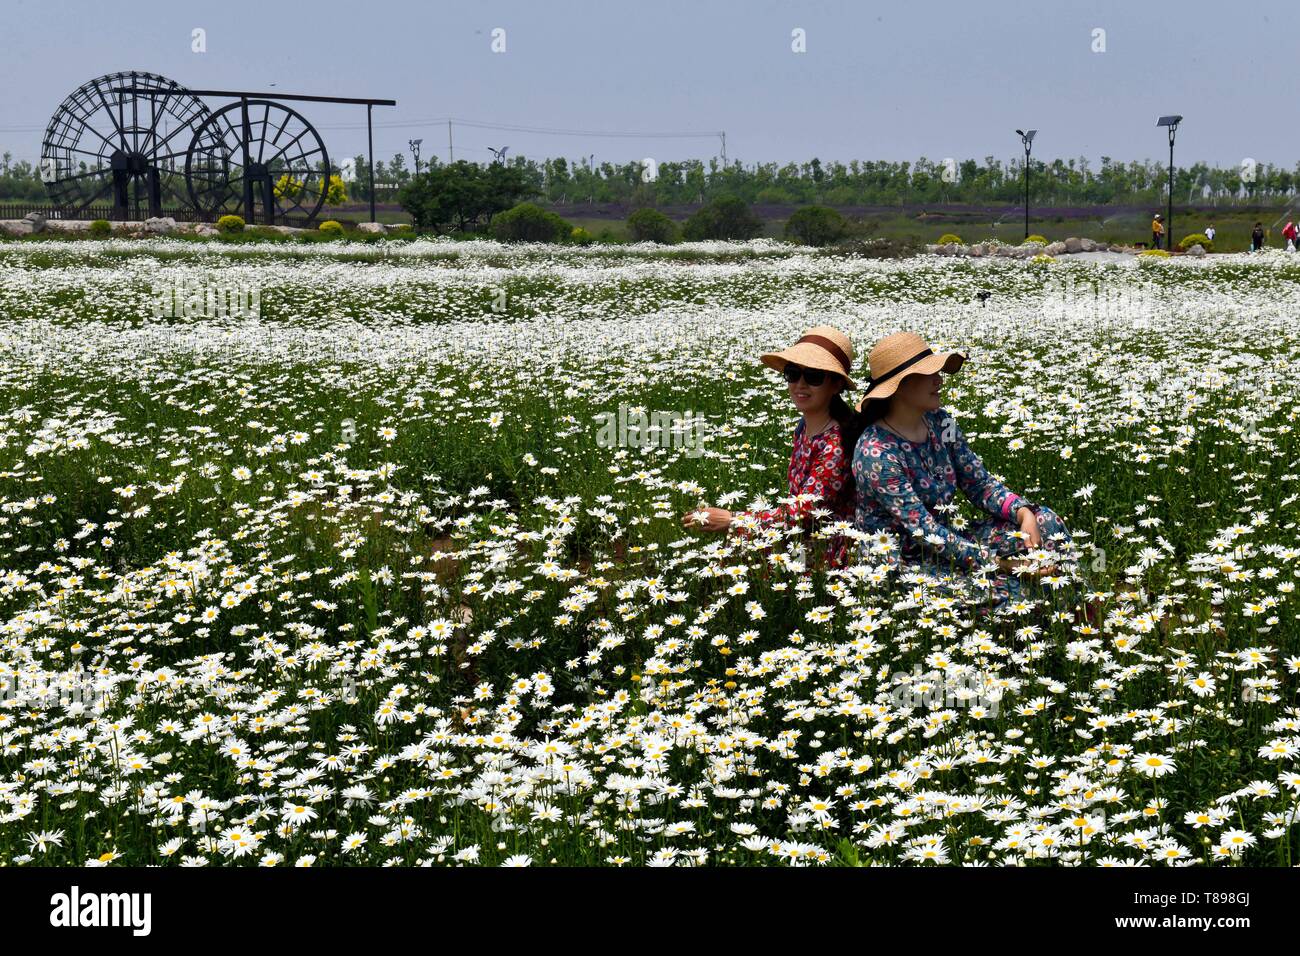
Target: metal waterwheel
121,139
258,159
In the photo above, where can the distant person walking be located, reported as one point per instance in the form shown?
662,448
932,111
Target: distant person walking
1257,237
1157,230
1209,232
1289,234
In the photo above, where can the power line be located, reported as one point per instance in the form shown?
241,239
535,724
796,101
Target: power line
544,130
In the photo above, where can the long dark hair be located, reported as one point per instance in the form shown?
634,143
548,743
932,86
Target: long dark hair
852,423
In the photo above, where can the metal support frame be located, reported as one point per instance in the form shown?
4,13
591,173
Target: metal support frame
121,178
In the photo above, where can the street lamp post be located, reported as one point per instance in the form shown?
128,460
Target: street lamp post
415,152
1027,139
1171,122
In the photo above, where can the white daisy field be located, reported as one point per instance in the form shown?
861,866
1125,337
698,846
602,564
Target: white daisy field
390,573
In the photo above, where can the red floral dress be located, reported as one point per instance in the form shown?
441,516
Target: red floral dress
820,467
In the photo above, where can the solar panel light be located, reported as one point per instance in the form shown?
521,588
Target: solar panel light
1169,121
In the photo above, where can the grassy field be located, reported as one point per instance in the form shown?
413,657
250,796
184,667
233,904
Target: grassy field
1233,226
357,580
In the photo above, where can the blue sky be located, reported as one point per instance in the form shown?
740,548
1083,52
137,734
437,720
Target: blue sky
877,80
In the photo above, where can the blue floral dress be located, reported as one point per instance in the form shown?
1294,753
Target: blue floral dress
906,489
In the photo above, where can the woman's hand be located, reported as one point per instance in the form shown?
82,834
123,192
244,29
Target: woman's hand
1025,567
1029,525
707,519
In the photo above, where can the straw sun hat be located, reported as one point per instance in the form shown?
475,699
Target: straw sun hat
902,354
822,347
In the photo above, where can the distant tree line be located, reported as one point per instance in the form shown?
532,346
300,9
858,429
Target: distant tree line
856,183
882,183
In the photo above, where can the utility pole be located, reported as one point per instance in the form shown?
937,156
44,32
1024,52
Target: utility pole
451,153
370,140
723,134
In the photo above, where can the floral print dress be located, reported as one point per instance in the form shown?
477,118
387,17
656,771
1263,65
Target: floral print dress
818,466
907,489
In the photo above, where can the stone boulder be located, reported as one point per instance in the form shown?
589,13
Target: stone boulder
1054,248
206,229
1088,245
1073,245
1197,250
160,225
1102,246
37,221
373,227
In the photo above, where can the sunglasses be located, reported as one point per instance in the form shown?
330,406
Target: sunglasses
813,376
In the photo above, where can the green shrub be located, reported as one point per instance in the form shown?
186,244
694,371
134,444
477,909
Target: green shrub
1157,253
331,228
774,196
816,226
581,236
948,238
650,225
100,229
230,225
724,218
528,222
1041,240
1195,239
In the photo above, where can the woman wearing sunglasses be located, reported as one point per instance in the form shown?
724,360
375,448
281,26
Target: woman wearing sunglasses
816,370
912,458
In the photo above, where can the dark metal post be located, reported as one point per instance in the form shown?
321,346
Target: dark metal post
1026,192
370,136
248,162
1027,140
1169,227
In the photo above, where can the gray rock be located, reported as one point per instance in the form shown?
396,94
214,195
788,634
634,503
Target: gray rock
1102,246
1073,245
1054,248
1197,250
37,221
67,225
205,229
1088,245
376,227
160,225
